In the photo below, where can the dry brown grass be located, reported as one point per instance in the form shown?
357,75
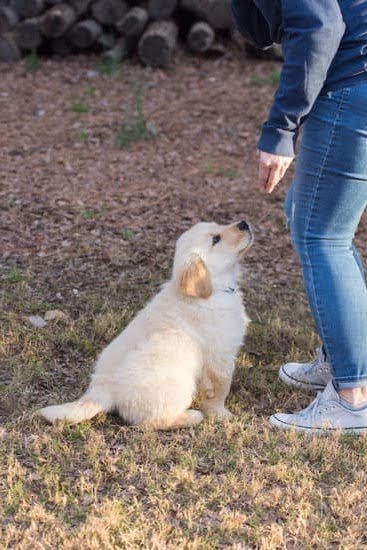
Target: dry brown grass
89,228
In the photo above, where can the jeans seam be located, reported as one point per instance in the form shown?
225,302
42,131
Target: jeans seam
311,210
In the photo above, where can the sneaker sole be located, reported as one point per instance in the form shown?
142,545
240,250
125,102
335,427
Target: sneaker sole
275,422
284,377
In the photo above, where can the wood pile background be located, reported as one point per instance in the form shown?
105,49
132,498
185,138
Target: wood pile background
115,28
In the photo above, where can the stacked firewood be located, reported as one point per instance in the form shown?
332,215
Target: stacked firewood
116,28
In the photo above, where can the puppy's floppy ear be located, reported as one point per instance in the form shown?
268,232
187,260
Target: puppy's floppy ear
195,278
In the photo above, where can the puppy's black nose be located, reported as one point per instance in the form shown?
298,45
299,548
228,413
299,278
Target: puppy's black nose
243,226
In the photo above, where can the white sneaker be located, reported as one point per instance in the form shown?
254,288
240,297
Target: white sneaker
313,375
325,414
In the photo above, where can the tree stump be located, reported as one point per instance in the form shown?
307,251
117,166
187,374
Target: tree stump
200,36
8,18
134,22
158,43
9,50
57,20
29,8
28,33
161,9
108,12
85,33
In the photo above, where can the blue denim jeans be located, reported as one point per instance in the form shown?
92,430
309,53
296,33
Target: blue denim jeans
323,207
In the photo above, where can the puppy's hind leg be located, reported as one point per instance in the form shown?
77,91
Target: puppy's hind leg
213,404
188,418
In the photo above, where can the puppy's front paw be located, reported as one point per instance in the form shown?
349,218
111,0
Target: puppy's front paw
221,413
209,394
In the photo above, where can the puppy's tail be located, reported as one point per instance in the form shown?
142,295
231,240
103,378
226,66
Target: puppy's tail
73,412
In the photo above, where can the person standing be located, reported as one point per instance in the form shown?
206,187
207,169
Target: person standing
323,88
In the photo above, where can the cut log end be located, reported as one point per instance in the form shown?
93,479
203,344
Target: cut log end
155,51
107,12
200,37
57,20
133,23
28,33
85,33
157,44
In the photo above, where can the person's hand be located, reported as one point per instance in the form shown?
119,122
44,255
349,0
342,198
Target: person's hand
271,170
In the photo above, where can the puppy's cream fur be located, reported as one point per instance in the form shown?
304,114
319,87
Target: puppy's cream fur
185,340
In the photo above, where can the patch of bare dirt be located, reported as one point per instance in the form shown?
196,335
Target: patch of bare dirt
77,209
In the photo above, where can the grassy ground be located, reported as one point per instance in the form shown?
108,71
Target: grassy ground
89,228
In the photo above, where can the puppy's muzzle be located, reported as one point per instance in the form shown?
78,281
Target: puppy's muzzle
246,228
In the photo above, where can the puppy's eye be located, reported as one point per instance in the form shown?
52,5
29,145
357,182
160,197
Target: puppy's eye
216,239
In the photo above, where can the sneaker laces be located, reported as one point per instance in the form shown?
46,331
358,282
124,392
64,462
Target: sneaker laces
320,404
314,409
317,407
319,365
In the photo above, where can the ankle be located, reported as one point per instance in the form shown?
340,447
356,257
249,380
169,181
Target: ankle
354,396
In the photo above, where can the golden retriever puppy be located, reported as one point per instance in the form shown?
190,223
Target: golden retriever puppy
184,341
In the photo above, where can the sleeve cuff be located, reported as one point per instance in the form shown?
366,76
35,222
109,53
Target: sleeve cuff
278,141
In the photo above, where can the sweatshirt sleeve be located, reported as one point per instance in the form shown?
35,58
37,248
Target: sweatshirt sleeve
312,31
251,23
